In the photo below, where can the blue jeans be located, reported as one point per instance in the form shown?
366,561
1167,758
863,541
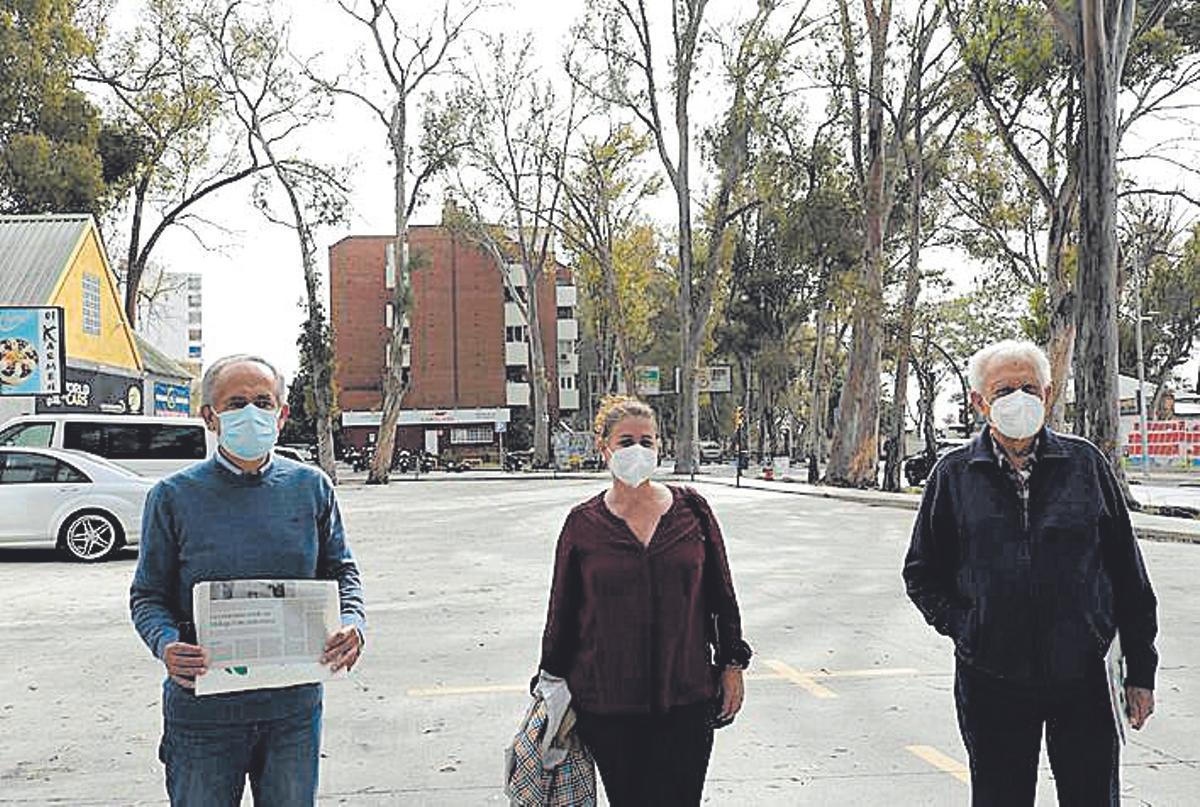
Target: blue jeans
207,764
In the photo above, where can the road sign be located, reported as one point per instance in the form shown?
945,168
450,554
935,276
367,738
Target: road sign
649,381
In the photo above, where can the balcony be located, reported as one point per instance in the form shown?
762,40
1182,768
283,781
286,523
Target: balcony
568,363
516,354
518,394
567,296
568,330
568,399
513,315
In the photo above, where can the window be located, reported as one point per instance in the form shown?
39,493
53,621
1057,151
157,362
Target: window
136,440
515,374
193,301
91,304
389,265
566,382
193,283
472,434
195,334
28,435
566,312
18,468
405,337
566,347
516,333
175,442
194,317
508,294
389,314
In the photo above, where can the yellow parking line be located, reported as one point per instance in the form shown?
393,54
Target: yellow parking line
940,761
782,671
803,680
879,673
484,690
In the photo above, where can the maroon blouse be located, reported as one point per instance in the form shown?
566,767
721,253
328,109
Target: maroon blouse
635,628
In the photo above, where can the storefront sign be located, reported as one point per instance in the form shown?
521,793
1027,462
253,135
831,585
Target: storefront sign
172,399
32,354
95,391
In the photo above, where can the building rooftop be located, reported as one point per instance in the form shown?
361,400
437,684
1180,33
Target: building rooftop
34,251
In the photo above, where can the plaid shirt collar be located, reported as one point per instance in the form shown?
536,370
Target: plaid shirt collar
1019,475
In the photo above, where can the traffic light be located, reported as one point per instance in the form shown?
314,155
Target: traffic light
739,415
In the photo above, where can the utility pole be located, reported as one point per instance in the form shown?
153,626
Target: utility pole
1143,264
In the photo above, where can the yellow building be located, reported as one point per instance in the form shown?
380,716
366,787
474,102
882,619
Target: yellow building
59,260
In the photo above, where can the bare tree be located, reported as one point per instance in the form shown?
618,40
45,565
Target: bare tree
275,107
935,114
409,55
517,153
624,39
1099,33
603,199
158,77
854,451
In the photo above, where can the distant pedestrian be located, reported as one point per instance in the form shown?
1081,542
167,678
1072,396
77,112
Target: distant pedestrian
1024,555
643,622
242,514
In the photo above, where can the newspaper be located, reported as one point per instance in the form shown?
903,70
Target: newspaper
1114,664
262,634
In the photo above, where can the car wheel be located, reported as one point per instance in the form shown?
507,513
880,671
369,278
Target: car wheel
90,536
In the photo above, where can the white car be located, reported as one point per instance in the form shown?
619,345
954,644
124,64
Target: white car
82,504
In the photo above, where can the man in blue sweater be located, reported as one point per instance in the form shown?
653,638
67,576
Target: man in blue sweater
242,514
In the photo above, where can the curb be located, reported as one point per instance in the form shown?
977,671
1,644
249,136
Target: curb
1157,532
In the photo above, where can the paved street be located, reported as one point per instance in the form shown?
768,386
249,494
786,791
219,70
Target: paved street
848,700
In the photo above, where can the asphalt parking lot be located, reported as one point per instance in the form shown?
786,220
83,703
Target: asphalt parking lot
848,701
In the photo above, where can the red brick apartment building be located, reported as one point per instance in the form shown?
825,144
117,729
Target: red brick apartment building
467,350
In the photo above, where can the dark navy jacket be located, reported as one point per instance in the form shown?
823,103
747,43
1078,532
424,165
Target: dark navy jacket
1035,604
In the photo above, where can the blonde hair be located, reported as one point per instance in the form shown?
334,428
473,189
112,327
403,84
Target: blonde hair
614,409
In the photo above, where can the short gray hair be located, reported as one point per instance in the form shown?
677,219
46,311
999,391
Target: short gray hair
214,371
1006,351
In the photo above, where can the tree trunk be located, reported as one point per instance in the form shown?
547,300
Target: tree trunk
394,387
1060,297
540,381
616,316
816,407
853,455
1096,395
689,356
135,262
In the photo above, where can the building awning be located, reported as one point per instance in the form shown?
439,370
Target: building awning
429,417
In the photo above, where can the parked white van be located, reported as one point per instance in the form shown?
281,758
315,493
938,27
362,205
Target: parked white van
151,446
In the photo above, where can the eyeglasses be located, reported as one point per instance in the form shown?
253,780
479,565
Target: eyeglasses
1031,389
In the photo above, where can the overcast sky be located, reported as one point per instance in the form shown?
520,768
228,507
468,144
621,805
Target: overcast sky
253,284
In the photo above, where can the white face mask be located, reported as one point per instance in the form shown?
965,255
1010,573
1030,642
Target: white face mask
1018,415
633,465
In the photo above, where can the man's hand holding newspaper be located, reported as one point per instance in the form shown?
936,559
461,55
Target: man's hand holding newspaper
253,634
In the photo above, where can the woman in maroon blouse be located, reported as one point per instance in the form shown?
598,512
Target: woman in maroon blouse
643,622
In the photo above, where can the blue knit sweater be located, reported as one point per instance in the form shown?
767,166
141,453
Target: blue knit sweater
210,523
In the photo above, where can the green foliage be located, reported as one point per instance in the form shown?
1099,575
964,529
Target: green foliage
55,153
1171,303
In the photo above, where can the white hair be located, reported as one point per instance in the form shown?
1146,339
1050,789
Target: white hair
209,384
1009,350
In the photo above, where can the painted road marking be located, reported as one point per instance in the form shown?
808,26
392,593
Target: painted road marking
803,680
807,680
940,761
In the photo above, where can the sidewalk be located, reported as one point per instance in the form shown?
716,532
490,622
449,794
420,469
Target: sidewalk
1148,527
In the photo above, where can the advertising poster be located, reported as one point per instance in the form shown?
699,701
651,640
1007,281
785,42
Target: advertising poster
32,354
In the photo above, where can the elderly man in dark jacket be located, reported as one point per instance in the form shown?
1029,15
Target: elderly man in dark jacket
1024,555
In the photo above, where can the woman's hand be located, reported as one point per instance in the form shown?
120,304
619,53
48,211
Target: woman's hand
733,692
